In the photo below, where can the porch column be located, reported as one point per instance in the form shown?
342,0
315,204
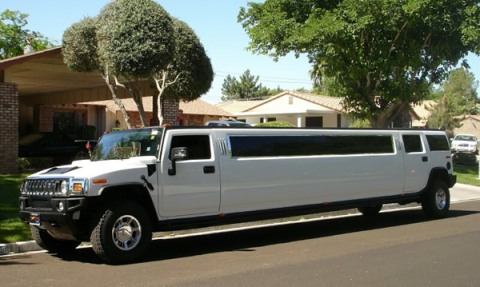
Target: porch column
299,121
9,130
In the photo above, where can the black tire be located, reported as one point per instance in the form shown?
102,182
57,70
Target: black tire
51,244
123,234
436,200
370,210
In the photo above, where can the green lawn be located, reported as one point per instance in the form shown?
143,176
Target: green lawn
467,174
12,229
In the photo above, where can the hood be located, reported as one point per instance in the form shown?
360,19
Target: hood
91,169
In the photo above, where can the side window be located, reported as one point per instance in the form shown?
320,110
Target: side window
438,142
258,146
198,145
412,143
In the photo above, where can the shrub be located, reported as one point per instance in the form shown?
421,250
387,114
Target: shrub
275,125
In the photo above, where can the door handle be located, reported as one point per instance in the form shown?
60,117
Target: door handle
424,158
209,169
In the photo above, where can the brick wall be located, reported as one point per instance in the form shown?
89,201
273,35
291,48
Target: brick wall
8,128
170,112
45,121
135,119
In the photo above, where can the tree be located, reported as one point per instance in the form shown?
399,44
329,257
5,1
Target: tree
80,55
135,40
14,38
132,42
460,91
245,88
189,73
443,118
379,55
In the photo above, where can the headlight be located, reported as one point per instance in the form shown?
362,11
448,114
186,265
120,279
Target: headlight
64,187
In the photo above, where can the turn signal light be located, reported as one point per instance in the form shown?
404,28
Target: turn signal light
100,181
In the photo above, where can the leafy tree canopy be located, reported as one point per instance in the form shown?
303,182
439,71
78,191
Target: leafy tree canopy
190,74
247,87
14,37
460,92
135,38
379,55
80,46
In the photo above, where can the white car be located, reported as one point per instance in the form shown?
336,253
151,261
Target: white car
465,143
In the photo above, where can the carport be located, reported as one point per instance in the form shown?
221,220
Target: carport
37,86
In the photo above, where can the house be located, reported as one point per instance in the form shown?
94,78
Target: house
193,113
470,124
420,113
299,109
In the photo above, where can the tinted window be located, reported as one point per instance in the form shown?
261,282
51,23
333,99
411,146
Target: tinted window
198,145
438,142
250,146
412,143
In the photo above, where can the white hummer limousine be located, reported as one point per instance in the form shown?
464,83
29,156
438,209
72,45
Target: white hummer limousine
164,178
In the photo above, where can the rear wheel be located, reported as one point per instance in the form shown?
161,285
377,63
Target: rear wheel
123,233
370,210
436,200
51,244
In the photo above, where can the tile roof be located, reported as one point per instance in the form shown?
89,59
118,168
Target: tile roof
195,107
334,103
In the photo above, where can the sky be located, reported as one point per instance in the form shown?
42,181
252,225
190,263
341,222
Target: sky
214,22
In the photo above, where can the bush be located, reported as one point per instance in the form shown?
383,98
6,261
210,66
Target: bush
38,163
275,125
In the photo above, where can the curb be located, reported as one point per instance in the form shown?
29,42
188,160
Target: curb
18,247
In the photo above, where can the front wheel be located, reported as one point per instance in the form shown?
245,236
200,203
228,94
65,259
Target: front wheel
436,200
123,233
51,244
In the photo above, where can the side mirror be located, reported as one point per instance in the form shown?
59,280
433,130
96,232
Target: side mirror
177,153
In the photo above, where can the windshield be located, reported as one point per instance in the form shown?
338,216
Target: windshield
129,143
468,138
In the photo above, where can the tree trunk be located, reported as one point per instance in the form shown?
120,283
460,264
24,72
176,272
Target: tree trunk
113,90
137,98
383,119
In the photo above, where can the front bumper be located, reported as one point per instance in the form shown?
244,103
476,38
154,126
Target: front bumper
464,149
60,216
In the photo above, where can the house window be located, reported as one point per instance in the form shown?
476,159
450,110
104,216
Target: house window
290,100
70,123
271,120
314,122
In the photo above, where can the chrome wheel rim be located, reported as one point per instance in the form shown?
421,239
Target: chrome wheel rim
441,199
126,232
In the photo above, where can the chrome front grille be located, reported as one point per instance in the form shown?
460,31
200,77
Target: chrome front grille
41,187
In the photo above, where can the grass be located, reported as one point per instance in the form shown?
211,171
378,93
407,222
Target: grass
467,174
12,229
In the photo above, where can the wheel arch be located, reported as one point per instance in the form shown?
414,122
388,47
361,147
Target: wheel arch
130,192
438,173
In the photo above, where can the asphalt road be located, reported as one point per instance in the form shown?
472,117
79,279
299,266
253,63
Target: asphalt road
399,248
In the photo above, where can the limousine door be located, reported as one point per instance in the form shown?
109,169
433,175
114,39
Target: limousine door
416,163
189,186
